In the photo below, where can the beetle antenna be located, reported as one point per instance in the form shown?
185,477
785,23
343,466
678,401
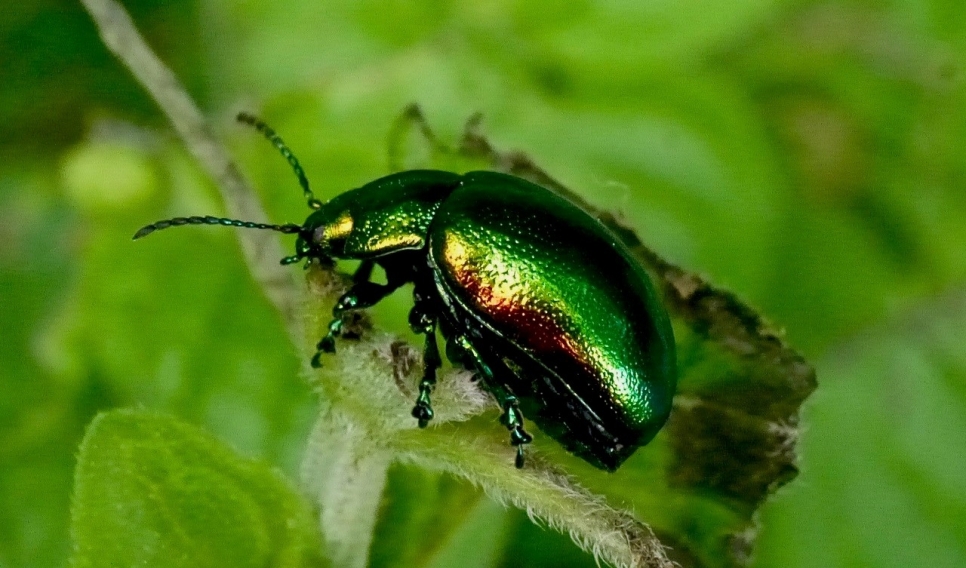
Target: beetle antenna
288,229
275,139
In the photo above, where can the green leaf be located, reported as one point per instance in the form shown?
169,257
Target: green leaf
152,491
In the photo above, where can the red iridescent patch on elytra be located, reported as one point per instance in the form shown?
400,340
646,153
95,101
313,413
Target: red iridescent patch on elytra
507,296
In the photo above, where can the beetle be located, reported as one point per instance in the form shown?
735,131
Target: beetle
543,302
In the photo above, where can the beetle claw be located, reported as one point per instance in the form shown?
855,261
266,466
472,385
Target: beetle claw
512,418
423,413
316,360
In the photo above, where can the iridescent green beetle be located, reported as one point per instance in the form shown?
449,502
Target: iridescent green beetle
540,299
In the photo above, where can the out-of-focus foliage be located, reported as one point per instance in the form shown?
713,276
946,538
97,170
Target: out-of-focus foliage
151,491
809,155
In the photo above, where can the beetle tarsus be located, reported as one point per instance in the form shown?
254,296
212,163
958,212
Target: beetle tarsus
512,418
327,344
519,436
316,360
423,411
423,415
422,321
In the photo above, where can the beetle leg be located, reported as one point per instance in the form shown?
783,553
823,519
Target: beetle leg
462,346
513,420
423,322
364,272
363,294
512,417
455,354
360,296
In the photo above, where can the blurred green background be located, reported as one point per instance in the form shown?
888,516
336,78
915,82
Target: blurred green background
810,156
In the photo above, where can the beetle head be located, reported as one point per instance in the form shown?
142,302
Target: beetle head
322,236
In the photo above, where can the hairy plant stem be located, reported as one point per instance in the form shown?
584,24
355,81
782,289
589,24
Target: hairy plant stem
345,474
261,249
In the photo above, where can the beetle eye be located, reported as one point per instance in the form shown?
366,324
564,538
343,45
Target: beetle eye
318,235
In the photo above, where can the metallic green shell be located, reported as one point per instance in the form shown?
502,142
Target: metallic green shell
560,313
557,300
390,214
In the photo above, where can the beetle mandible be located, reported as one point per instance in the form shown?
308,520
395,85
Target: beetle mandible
536,296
